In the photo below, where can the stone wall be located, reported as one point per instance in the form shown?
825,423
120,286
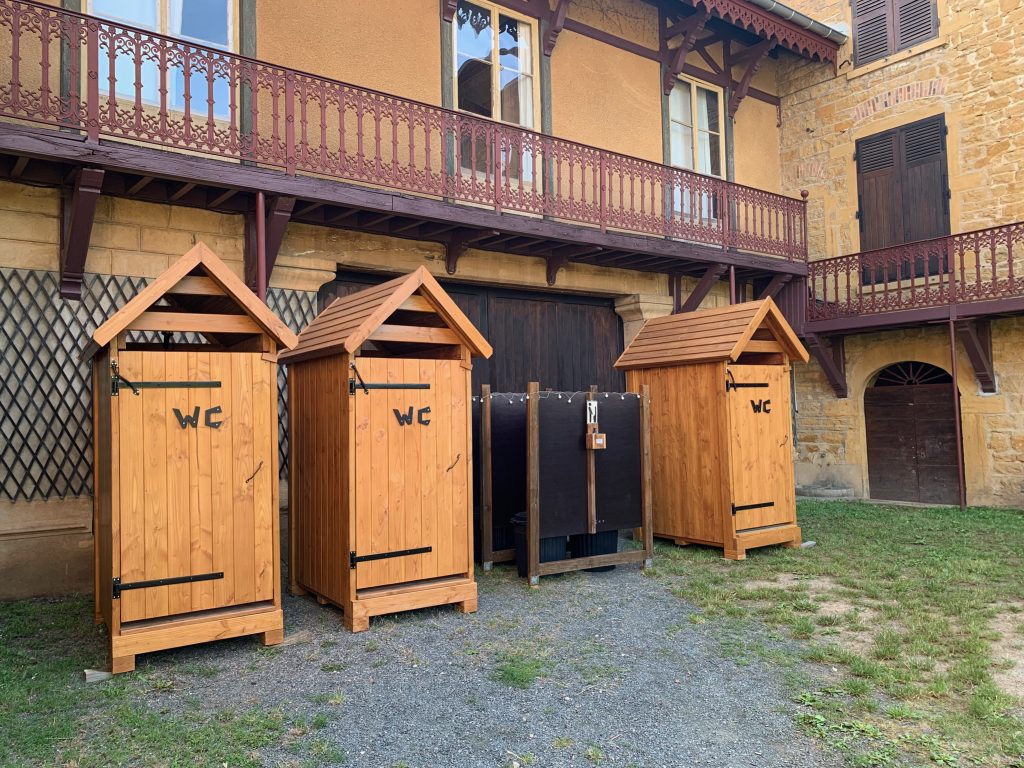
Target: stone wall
831,442
973,73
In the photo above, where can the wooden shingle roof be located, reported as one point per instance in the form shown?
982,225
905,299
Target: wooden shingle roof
352,320
710,335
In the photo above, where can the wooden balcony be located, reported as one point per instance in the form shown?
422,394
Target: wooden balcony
972,274
86,94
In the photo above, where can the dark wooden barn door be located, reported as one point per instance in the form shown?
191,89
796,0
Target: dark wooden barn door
911,435
902,184
564,342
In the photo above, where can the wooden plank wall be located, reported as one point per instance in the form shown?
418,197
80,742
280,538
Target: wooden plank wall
689,449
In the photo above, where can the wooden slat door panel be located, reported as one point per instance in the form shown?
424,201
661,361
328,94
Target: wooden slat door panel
879,191
761,451
195,498
911,439
412,475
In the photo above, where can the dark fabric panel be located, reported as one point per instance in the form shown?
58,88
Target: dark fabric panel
617,468
508,461
563,466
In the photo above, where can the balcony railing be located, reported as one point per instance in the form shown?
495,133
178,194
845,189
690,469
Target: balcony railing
70,70
985,265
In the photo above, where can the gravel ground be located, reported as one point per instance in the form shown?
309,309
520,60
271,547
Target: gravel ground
626,680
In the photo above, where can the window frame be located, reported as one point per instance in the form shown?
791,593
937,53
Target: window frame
163,18
695,128
497,10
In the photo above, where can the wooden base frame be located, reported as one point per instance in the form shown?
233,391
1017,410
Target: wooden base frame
737,546
488,555
263,619
379,601
535,568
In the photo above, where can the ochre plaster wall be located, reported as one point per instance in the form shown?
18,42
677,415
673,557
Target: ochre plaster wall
831,440
388,45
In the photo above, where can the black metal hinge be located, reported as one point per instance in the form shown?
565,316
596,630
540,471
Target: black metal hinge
353,386
116,380
729,385
119,587
354,559
745,507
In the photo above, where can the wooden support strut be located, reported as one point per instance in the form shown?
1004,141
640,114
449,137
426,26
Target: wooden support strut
775,285
690,27
78,211
977,338
754,57
555,24
832,359
703,287
275,220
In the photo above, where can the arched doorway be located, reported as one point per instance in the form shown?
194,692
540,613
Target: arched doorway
911,435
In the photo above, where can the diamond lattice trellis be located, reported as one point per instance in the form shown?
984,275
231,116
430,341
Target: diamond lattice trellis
45,389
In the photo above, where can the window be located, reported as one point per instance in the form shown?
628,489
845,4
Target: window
494,65
883,27
695,142
210,23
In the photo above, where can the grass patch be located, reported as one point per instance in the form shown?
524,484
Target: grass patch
900,601
519,668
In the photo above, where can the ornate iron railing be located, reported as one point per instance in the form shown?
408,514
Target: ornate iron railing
71,70
983,265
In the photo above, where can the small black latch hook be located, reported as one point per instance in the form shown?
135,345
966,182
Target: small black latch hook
116,378
362,383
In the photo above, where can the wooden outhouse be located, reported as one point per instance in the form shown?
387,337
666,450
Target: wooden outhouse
380,460
185,470
721,424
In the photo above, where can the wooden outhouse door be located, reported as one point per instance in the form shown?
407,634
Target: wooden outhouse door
195,476
411,485
761,450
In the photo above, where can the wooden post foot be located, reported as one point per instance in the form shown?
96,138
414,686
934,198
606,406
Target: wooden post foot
296,590
272,637
740,554
322,600
356,623
119,664
467,606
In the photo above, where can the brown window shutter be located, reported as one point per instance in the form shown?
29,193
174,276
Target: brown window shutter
878,191
873,36
915,22
925,179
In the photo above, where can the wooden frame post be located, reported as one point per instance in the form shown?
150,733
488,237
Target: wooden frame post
533,482
486,491
647,526
592,476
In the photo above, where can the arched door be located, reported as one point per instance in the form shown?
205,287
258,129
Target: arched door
911,435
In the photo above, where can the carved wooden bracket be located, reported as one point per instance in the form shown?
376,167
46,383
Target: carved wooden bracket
977,338
703,288
831,356
753,57
448,8
775,285
278,214
454,247
554,264
78,211
689,28
555,24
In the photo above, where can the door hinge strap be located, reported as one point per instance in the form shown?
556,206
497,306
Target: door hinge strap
354,559
353,387
729,385
116,380
745,507
119,587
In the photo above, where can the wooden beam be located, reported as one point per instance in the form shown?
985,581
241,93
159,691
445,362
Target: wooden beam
195,322
754,56
977,338
19,166
222,198
416,304
397,229
690,27
341,216
78,211
181,191
575,251
703,287
139,185
556,21
306,210
415,334
433,229
830,354
775,285
196,286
